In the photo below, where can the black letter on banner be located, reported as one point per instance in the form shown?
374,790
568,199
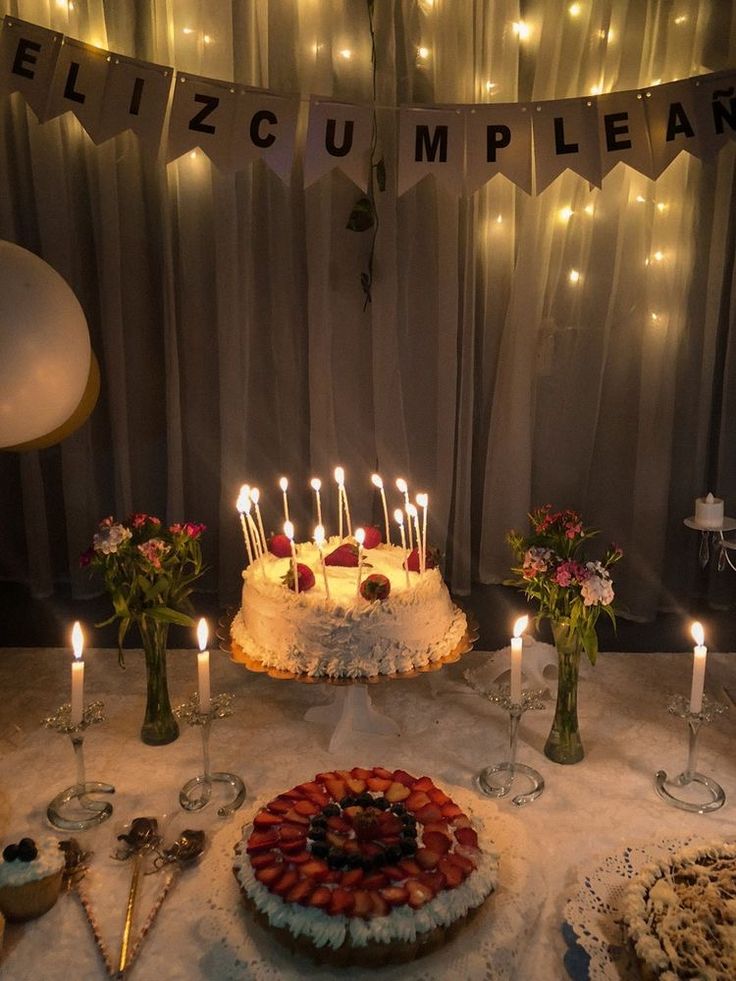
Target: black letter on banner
613,131
338,151
677,122
560,145
721,112
22,55
497,137
423,143
263,115
211,102
135,100
71,81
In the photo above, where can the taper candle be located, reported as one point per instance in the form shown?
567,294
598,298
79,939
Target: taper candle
339,479
242,503
77,707
289,532
378,482
284,484
203,667
360,538
423,502
404,489
255,496
399,518
319,540
316,485
700,652
413,515
516,645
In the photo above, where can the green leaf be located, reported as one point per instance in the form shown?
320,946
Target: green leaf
590,642
122,631
164,614
361,217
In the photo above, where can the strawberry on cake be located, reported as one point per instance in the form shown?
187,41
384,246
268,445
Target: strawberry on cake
363,866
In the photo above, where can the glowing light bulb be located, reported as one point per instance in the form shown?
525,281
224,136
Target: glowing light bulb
490,86
655,317
499,219
596,90
193,155
566,213
521,29
658,256
575,9
346,53
681,19
207,39
661,206
187,30
574,276
423,52
640,199
589,209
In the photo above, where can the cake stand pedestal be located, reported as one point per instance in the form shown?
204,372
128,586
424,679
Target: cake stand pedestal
351,710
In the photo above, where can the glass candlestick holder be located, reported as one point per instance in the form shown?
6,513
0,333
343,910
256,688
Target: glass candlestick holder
73,809
197,792
713,796
498,780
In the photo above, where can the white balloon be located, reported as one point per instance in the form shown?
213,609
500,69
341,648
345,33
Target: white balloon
45,350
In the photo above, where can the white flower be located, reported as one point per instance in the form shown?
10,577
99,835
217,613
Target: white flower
597,589
110,538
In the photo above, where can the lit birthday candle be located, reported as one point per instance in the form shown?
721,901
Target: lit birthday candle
255,496
516,646
284,485
423,502
700,652
319,540
254,536
203,667
399,518
360,538
243,503
289,532
316,484
403,488
378,482
339,480
413,515
77,675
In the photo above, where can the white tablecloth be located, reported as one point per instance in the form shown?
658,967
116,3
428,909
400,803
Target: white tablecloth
588,811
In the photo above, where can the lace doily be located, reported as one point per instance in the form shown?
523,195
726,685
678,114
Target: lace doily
488,947
593,926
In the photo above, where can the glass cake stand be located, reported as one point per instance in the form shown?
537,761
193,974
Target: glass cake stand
351,710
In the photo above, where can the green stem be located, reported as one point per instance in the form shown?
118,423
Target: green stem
159,725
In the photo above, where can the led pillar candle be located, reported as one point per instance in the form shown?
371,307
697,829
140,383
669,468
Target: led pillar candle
242,503
203,668
360,538
316,484
289,532
319,540
399,518
404,489
378,482
77,675
284,484
516,645
423,502
700,652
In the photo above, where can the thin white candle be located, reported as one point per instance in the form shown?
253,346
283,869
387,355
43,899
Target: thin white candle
255,496
316,484
347,507
242,503
319,540
77,675
360,538
516,645
203,667
414,516
378,482
404,489
700,652
399,517
339,479
284,484
289,532
423,502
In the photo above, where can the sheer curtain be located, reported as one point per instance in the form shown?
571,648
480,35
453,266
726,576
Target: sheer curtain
573,347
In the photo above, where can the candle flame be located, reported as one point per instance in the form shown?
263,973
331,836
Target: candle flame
698,633
243,501
319,536
77,639
202,634
339,475
289,530
411,510
360,535
520,626
422,500
401,485
377,482
255,495
316,483
283,483
398,516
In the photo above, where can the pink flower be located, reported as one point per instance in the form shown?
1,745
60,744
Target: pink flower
139,520
106,522
153,550
536,562
194,530
176,529
86,557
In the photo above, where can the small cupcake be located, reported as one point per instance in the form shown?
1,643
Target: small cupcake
30,878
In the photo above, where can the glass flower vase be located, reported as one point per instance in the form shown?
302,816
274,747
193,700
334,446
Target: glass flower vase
563,743
159,725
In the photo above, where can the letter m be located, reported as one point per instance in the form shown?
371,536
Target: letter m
428,147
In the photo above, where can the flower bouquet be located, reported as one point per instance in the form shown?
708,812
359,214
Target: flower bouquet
149,571
571,593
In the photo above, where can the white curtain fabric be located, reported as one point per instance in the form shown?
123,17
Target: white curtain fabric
571,348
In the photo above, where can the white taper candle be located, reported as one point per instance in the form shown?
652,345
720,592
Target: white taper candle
700,652
203,667
77,707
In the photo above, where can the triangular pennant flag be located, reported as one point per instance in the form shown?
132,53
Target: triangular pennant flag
565,138
715,108
27,60
498,141
338,135
265,128
431,141
202,115
78,84
623,132
136,97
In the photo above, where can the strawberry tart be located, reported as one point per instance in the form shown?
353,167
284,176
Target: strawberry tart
363,866
399,619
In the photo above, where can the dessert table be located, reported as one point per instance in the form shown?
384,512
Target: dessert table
602,807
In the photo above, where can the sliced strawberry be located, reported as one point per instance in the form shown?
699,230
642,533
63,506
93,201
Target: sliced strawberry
467,837
433,880
342,902
370,849
320,897
373,537
292,847
362,903
352,877
324,777
401,776
351,812
395,895
462,822
438,796
300,857
473,854
312,787
306,807
424,783
389,840
436,842
279,545
270,874
336,789
334,839
295,818
409,866
300,892
265,819
419,894
285,884
382,773
390,824
292,832
380,906
394,873
316,869
378,784
305,577
351,847
261,841
396,792
453,873
416,800
293,795
355,785
451,810
344,555
377,880
412,561
279,806
427,859
462,862
337,823
438,826
428,813
360,773
263,860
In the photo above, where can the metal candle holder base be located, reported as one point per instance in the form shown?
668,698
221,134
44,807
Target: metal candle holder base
486,781
197,792
715,796
73,809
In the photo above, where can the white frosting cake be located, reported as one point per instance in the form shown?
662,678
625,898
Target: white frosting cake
345,635
681,915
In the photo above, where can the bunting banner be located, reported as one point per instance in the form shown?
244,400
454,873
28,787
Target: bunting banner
462,147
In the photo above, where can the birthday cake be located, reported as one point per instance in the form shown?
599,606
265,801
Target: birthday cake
680,915
363,866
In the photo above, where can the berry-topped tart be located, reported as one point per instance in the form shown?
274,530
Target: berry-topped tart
363,866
